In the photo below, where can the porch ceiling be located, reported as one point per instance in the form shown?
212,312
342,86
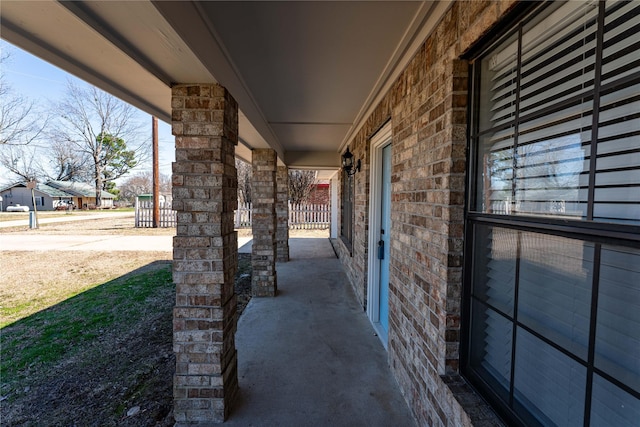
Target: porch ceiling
305,74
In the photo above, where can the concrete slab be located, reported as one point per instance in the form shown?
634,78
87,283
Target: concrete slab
245,244
309,356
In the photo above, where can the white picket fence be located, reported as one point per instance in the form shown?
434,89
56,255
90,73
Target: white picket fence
144,214
301,217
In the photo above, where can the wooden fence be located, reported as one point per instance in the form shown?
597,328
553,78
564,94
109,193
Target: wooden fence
243,215
301,217
144,214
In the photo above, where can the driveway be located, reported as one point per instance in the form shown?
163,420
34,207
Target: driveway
26,241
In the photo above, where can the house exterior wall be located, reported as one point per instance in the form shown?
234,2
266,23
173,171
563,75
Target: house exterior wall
427,106
320,195
22,196
17,196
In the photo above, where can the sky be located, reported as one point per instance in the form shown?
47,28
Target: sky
33,78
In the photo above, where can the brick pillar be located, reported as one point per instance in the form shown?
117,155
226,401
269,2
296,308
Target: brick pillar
282,214
263,220
205,253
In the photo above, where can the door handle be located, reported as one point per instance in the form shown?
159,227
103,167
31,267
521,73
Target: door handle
381,250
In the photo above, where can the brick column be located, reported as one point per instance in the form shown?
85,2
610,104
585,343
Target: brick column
282,214
263,220
205,253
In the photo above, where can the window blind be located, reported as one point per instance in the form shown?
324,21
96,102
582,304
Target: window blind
536,136
617,182
557,133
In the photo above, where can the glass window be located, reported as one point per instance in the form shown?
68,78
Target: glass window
553,273
535,128
617,351
346,220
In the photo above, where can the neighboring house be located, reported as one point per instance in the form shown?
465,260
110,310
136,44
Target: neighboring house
52,194
47,198
490,226
320,194
84,195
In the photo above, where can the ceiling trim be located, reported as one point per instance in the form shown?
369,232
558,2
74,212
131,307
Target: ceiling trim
423,24
315,160
214,56
86,15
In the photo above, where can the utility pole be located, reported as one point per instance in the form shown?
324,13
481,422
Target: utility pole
156,174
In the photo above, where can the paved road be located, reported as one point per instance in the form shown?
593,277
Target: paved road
47,242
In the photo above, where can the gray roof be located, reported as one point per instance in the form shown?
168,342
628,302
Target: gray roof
79,189
64,189
51,191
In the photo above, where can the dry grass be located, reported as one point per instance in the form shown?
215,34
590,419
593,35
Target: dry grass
32,281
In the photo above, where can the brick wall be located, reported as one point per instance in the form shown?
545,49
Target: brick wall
427,106
282,214
263,223
205,252
320,195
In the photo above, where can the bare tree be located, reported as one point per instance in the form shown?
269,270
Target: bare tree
245,173
104,129
20,121
68,164
301,183
21,161
142,183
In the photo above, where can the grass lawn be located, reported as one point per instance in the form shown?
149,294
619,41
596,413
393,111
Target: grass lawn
48,335
92,356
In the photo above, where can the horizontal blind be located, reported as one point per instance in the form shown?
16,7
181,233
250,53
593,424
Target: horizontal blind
556,107
554,289
617,191
547,383
537,163
618,323
494,268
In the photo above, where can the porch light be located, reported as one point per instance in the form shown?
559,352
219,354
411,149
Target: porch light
347,163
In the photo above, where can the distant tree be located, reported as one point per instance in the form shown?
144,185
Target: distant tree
102,128
21,161
114,160
301,183
21,122
68,164
245,174
142,183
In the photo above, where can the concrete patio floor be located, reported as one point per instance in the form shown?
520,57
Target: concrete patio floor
309,356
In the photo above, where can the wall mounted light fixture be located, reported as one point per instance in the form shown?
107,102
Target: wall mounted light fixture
348,164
